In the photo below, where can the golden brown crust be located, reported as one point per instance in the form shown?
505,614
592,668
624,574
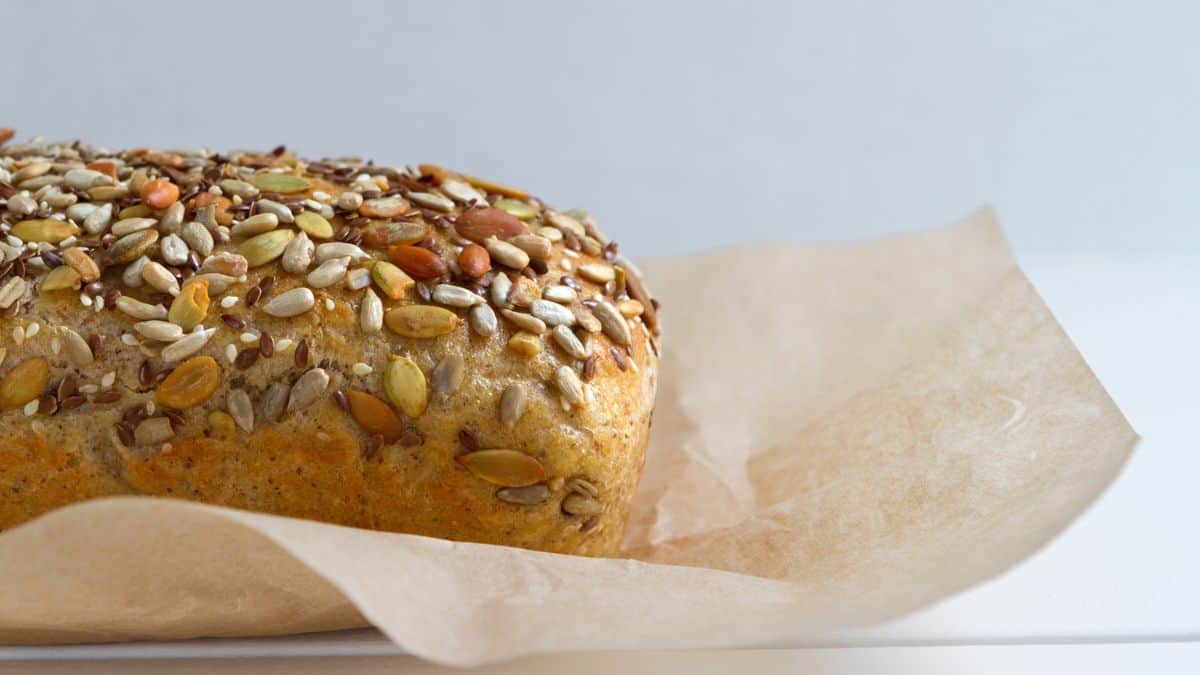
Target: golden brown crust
508,402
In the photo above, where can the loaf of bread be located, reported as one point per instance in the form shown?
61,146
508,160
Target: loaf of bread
413,350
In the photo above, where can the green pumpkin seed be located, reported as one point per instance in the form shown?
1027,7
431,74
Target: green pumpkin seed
281,183
314,224
517,209
45,230
264,248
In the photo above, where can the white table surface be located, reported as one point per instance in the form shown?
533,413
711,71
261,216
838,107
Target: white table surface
1120,585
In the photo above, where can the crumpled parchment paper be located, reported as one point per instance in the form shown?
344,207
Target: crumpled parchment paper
844,433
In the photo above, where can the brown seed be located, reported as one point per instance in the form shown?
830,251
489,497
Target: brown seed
508,468
479,224
66,388
246,358
71,402
266,345
190,384
145,374
234,321
619,357
107,396
300,356
47,404
474,261
267,283
468,440
374,416
339,398
589,368
253,295
419,263
82,263
24,383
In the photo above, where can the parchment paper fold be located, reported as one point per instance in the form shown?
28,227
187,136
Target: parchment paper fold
843,434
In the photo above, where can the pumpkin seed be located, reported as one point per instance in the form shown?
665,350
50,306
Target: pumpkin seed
237,402
404,384
135,211
482,320
612,322
530,495
24,383
77,349
281,183
570,386
45,230
448,374
308,389
291,303
421,321
374,416
391,279
508,468
266,247
189,385
298,254
256,224
516,208
512,404
328,273
525,344
371,313
455,296
189,308
314,224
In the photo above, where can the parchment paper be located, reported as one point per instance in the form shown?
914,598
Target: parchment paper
843,434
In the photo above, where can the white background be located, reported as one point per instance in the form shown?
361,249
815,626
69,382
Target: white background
684,126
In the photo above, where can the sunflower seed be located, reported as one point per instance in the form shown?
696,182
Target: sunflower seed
339,249
160,278
525,321
187,345
274,401
349,201
582,486
238,188
237,402
153,431
552,313
570,386
328,273
559,293
22,204
217,283
298,254
78,351
163,331
291,303
197,237
231,264
82,179
308,389
501,285
454,296
569,343
506,254
577,504
567,224
174,249
172,217
524,292
431,201
131,225
283,213
98,220
462,192
529,495
512,404
600,273
256,224
482,320
537,247
12,291
143,311
448,374
612,322
75,212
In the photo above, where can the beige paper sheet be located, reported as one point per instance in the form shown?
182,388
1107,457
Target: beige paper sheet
843,434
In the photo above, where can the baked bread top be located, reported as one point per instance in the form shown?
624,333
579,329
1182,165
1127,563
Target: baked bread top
164,295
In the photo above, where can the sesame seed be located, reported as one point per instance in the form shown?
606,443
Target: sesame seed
248,338
108,380
129,339
361,369
329,304
228,301
31,408
230,353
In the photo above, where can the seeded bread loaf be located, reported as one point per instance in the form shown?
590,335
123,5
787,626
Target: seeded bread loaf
412,350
